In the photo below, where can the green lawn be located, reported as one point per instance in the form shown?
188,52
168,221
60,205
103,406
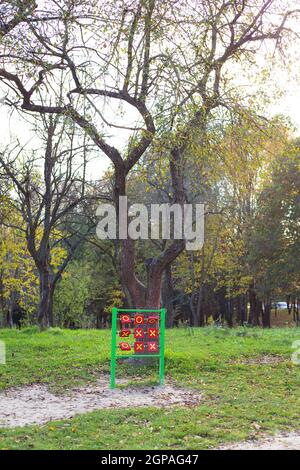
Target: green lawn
241,400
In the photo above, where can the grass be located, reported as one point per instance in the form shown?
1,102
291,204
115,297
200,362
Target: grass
57,357
241,400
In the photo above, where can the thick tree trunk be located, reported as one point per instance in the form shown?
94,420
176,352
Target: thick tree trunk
156,270
149,296
154,285
44,313
133,288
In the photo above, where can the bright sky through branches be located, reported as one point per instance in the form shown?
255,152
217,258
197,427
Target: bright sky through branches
283,86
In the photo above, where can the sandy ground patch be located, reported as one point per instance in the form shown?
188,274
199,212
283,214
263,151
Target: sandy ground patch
288,441
34,404
259,360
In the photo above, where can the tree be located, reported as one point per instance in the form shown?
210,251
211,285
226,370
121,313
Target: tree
246,152
18,279
166,60
275,241
228,173
14,13
89,288
46,186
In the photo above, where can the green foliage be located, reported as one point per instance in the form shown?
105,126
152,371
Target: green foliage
276,236
18,277
72,295
88,288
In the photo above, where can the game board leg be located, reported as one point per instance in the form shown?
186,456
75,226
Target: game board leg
113,348
113,373
162,347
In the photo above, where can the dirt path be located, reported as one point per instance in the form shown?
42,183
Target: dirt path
289,441
34,404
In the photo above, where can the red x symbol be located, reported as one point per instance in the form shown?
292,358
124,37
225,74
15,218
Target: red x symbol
152,332
124,333
152,347
138,333
138,346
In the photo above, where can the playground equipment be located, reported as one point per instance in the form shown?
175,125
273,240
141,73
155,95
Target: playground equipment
144,331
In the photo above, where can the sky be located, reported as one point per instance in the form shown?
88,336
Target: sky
288,104
286,78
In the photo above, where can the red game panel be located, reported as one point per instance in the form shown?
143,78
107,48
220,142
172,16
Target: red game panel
139,346
138,333
139,319
152,320
125,347
124,333
152,347
125,318
152,333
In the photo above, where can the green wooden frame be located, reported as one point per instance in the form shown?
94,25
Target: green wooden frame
114,355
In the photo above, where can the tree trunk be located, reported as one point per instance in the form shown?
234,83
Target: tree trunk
294,307
154,285
45,298
288,303
10,321
229,312
266,316
146,296
132,287
198,316
241,304
167,296
50,306
255,308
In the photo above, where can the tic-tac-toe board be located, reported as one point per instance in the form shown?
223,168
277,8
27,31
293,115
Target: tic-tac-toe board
137,333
